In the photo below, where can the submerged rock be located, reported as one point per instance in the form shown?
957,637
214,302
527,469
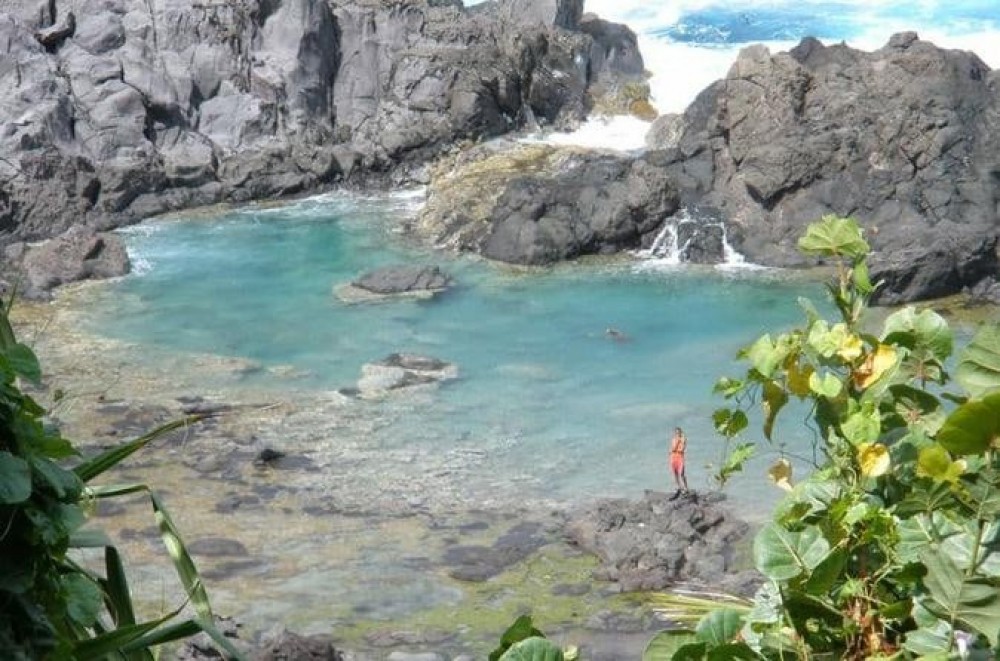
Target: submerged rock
400,370
396,281
662,540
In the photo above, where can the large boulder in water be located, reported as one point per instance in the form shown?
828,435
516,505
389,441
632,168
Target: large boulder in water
539,204
396,281
906,139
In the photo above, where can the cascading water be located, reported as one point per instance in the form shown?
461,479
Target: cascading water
667,248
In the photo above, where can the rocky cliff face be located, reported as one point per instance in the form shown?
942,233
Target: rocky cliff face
906,139
113,110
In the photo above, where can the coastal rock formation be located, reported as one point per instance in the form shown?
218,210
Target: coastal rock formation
660,540
78,254
538,204
113,111
396,281
906,139
401,370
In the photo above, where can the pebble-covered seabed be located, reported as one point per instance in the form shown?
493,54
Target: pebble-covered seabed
338,511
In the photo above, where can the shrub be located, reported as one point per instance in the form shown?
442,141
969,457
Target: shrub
890,548
51,606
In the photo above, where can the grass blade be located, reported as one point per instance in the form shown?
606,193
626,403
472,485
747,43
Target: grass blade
183,563
90,469
114,641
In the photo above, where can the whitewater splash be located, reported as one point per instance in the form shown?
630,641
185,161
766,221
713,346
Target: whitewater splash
689,44
676,238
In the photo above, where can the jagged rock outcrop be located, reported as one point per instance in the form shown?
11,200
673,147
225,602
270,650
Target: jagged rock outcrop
539,204
661,540
135,108
78,254
906,139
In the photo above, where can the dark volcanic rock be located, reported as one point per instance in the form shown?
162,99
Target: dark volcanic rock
985,292
78,254
399,370
480,563
136,108
404,280
537,205
661,540
906,139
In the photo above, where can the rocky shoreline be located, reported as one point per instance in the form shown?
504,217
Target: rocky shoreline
116,115
416,560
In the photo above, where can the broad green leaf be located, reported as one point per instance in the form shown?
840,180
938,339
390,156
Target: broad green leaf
955,598
729,422
919,532
918,408
821,340
935,462
521,629
928,641
827,385
728,387
741,454
972,428
782,555
978,369
83,598
826,573
924,332
23,361
720,627
89,538
959,547
834,236
15,479
64,484
862,426
765,355
873,458
533,649
664,645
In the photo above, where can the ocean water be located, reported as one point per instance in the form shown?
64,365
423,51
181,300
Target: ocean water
580,412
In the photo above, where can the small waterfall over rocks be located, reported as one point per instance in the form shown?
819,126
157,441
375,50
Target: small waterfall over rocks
693,235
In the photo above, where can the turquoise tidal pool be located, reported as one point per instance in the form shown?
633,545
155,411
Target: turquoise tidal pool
543,391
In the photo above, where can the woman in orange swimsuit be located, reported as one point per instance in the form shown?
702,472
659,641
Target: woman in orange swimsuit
678,444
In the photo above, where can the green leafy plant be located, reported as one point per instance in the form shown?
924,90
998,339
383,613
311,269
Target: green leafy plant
51,605
890,548
523,642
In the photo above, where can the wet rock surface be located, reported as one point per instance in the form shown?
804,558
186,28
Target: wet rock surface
537,205
396,281
400,371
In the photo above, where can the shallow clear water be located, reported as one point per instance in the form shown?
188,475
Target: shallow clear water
542,387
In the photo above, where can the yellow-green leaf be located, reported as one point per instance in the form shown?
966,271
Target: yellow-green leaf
873,459
875,366
935,462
